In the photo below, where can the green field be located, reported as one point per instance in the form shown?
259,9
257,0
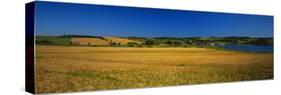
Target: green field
52,40
70,69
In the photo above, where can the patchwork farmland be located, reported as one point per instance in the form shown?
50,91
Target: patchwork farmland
83,41
89,41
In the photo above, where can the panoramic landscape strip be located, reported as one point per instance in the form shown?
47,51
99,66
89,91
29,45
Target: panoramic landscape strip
83,47
232,43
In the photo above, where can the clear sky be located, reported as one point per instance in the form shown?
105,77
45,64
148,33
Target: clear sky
83,19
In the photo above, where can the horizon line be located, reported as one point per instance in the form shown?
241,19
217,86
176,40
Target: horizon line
162,36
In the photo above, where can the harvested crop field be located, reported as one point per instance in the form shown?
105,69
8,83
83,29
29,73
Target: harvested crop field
69,69
120,40
89,41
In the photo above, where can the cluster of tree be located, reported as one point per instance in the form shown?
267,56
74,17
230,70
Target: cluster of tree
199,41
247,40
81,36
174,43
114,43
133,44
151,42
261,41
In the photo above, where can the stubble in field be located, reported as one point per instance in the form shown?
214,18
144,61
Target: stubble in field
69,69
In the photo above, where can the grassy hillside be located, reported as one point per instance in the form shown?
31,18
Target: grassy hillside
92,40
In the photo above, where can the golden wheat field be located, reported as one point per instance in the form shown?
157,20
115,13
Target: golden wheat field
69,69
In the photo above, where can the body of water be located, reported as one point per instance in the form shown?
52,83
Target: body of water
249,48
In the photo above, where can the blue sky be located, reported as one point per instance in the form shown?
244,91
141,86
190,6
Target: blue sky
84,19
